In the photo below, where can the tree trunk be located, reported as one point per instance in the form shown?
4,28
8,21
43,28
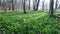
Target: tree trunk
51,7
59,7
43,5
24,7
13,5
56,4
0,2
33,5
9,6
37,5
29,4
4,5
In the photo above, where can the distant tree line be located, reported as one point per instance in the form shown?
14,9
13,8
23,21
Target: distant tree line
12,5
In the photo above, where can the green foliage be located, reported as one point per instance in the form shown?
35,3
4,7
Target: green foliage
37,22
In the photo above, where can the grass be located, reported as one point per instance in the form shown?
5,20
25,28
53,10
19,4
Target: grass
33,22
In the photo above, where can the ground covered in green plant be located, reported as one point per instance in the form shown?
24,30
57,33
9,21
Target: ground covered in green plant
34,22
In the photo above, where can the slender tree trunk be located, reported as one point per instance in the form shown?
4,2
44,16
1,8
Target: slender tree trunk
24,7
33,5
29,4
37,5
43,5
51,7
56,4
4,5
13,5
0,2
9,6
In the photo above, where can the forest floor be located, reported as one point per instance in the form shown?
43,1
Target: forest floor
37,20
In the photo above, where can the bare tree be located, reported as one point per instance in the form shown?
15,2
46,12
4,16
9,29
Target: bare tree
9,4
4,5
51,7
36,4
